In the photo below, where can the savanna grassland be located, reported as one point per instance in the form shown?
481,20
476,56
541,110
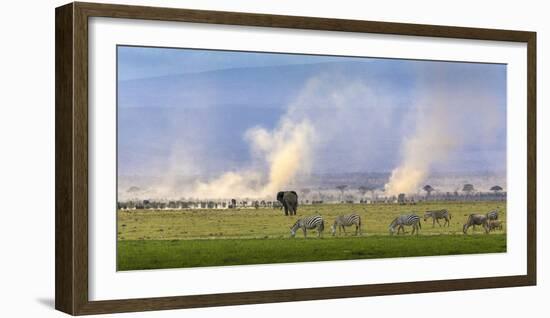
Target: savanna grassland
152,239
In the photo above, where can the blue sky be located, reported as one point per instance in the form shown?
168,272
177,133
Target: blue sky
188,111
143,62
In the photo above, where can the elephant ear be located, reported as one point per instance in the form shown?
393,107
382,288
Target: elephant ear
280,195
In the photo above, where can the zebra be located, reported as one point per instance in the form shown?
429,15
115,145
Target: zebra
406,219
308,223
492,215
476,219
436,215
494,225
342,221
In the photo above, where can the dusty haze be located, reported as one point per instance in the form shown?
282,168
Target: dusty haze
251,132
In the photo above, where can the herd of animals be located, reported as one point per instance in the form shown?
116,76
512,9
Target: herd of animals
489,222
289,201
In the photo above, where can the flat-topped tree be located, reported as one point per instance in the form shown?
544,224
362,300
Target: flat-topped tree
496,189
468,188
342,188
429,189
362,190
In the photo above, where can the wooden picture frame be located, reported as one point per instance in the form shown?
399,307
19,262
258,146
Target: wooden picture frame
71,90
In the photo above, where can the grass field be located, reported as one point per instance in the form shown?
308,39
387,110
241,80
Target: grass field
192,238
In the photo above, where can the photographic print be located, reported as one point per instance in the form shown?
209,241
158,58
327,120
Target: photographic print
237,158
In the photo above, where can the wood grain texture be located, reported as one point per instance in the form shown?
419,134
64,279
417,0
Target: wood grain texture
532,158
165,303
297,22
80,144
72,157
64,235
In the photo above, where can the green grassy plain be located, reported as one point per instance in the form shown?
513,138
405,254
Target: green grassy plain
150,239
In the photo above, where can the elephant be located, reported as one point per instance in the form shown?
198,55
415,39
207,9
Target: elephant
289,200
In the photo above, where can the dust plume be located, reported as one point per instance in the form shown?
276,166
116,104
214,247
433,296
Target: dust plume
432,142
315,128
413,118
447,119
287,150
284,152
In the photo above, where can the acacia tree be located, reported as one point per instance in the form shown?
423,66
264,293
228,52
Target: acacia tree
342,188
468,188
496,189
428,188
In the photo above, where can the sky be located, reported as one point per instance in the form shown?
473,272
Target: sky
143,62
206,113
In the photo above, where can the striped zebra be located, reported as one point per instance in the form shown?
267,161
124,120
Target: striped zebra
492,215
342,221
408,220
308,223
436,215
476,219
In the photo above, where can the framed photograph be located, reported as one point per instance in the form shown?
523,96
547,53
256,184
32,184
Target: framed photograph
210,158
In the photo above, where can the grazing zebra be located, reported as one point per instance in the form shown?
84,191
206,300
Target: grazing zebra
492,215
476,219
436,215
407,219
494,225
308,223
346,220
